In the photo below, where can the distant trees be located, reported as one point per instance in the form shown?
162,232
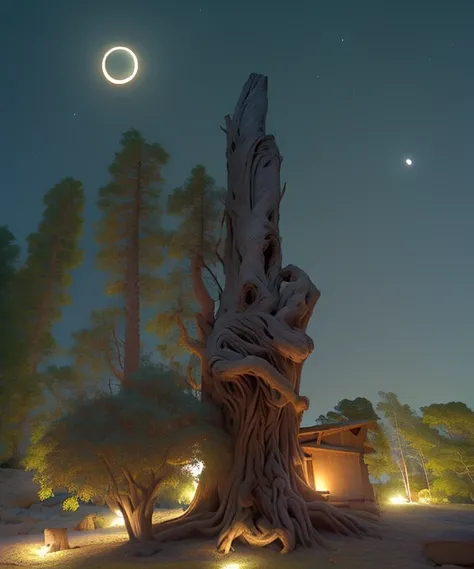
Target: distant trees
430,452
40,293
193,247
97,351
11,345
453,454
127,447
130,233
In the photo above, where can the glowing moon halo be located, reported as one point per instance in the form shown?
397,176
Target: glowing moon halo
135,65
409,162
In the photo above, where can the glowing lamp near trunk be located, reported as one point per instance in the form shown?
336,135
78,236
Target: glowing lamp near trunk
398,500
42,551
118,521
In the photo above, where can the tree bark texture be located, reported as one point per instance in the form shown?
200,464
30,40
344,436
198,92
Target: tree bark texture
56,539
132,291
136,505
253,354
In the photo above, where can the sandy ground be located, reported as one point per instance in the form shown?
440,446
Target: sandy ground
402,529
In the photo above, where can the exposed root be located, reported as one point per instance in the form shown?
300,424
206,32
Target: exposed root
323,518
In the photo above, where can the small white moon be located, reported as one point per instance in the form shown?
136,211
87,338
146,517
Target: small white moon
135,65
409,162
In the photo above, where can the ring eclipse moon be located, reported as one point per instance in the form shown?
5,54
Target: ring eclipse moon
135,65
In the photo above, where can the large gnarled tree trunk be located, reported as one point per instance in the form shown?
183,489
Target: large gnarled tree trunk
252,354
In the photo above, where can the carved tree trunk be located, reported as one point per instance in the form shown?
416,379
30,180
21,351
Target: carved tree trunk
253,359
55,539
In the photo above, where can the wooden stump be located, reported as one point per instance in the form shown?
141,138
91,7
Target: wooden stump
55,539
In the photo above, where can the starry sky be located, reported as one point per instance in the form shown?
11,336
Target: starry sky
355,89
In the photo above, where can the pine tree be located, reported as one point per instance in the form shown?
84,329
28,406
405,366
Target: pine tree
197,206
9,256
53,253
130,233
41,293
11,347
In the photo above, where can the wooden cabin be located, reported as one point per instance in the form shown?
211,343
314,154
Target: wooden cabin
334,460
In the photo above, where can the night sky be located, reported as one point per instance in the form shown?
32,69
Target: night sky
355,88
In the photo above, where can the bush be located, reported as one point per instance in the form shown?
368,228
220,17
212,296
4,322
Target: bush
128,447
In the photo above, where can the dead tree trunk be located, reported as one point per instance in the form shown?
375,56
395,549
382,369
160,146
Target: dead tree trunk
253,357
55,539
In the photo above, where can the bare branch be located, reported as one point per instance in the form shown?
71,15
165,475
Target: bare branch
282,194
195,347
214,277
200,291
219,241
190,378
117,341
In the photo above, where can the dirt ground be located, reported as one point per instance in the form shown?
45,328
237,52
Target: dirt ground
402,530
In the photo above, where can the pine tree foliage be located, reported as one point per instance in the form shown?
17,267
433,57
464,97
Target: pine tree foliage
131,214
130,234
53,253
197,208
40,293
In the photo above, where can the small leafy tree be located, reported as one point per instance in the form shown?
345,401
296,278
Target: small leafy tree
127,447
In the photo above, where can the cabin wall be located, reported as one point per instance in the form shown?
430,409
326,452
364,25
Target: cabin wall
340,474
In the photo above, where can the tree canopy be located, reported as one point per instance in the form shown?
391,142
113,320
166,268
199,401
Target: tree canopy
37,299
130,233
127,446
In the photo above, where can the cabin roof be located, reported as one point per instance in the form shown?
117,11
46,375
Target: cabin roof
333,427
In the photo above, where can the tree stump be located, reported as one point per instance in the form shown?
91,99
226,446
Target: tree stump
252,352
55,539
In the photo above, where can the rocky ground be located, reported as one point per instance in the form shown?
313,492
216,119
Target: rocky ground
403,529
22,513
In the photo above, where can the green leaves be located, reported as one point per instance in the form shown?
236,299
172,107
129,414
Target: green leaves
198,206
53,252
71,504
36,295
153,424
455,419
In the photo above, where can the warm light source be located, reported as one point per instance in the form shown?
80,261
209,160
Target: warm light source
118,521
42,551
321,485
195,469
398,499
231,566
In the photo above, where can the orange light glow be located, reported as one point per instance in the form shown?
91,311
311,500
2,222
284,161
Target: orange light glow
321,484
118,521
42,551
